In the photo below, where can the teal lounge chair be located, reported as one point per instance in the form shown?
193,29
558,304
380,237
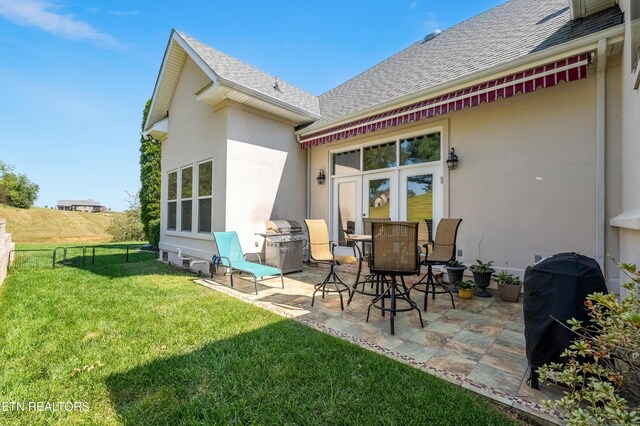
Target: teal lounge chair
232,257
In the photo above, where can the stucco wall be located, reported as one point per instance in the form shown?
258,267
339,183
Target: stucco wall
259,168
629,238
525,183
196,133
6,245
265,174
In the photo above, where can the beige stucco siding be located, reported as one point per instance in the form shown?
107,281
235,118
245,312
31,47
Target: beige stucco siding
630,152
265,174
525,184
196,133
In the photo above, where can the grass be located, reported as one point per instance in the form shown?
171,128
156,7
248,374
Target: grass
55,226
141,344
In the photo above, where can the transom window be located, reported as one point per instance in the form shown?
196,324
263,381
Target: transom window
403,152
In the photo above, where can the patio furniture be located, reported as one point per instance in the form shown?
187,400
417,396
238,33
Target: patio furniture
394,253
231,256
444,251
321,250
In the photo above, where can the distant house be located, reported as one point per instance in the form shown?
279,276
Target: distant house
89,205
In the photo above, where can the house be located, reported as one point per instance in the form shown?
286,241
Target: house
537,101
89,206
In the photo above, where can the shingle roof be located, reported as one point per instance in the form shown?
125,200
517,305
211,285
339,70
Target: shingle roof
514,29
234,70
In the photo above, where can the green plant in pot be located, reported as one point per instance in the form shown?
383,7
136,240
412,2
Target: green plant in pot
455,271
482,272
508,286
465,289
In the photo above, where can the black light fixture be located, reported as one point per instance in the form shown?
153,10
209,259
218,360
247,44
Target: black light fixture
452,161
321,177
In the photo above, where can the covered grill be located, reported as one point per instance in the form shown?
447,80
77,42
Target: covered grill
284,245
555,290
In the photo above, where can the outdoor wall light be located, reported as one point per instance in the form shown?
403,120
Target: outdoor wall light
452,161
321,177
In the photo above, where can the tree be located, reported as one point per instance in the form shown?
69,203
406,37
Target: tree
150,152
127,227
16,189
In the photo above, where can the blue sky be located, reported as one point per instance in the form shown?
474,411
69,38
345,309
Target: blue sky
75,75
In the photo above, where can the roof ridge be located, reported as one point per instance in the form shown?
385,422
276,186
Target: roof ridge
186,36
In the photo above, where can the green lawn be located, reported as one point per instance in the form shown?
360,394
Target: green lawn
139,343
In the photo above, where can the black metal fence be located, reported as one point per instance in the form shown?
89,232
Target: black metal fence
79,256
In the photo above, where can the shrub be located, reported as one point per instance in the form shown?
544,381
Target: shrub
602,367
154,232
128,226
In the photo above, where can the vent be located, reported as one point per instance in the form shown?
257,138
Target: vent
165,256
431,36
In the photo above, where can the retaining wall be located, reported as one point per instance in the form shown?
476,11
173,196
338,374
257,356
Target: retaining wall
6,245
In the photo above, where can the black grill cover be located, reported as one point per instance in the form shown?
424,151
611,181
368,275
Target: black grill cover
556,287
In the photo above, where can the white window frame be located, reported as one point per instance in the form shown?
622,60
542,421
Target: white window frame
172,200
198,197
181,198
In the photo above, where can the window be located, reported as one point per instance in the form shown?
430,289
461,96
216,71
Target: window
172,197
205,191
421,149
634,14
345,163
185,195
380,156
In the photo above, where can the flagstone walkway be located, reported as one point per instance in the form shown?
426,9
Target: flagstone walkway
479,345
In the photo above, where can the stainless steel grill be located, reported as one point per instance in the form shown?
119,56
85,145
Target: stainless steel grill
284,245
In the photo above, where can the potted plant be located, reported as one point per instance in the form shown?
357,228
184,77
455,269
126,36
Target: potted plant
465,289
455,270
508,286
482,277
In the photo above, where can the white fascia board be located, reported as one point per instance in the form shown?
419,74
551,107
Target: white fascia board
158,79
158,130
266,98
581,45
629,220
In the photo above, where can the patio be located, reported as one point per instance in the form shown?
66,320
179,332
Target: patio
479,345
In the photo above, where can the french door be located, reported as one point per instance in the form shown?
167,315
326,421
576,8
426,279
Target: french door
413,194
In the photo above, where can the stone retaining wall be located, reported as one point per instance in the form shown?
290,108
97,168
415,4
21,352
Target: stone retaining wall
6,245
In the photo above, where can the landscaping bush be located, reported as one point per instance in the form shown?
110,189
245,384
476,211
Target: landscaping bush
602,367
154,232
128,226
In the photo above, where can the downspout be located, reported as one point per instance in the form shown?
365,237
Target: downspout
600,152
308,180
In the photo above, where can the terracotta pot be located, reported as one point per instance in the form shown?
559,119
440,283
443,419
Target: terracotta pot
465,293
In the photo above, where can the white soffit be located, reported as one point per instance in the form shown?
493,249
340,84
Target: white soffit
629,220
166,83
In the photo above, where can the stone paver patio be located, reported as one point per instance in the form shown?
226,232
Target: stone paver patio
479,345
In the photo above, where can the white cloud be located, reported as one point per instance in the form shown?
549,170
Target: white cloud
43,14
123,12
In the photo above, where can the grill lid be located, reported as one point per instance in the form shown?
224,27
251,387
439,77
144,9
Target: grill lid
283,226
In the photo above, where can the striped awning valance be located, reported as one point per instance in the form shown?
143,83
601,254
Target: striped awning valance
569,69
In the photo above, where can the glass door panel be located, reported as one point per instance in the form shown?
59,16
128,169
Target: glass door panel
380,196
346,208
421,199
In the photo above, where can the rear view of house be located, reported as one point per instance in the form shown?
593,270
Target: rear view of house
522,120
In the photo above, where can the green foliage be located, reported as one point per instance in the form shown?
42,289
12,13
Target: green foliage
481,266
455,264
505,278
127,227
154,232
466,284
150,152
16,190
602,367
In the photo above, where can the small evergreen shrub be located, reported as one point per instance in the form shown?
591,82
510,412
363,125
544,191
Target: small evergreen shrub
154,232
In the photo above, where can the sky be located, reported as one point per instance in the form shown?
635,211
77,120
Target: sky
75,74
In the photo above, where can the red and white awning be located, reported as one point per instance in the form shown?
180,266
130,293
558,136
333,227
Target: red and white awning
570,69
